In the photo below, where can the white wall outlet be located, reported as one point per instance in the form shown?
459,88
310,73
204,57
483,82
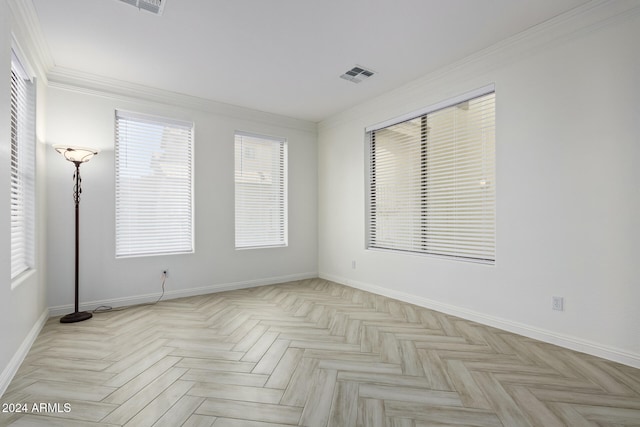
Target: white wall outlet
557,303
353,264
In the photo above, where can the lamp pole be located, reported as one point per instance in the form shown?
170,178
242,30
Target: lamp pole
76,156
77,189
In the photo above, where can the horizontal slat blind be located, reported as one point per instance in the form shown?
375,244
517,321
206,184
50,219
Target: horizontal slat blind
260,191
154,197
22,170
432,182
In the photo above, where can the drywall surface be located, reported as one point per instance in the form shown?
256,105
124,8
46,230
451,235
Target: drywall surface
23,308
83,117
568,192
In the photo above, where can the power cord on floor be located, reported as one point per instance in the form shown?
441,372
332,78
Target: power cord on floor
108,308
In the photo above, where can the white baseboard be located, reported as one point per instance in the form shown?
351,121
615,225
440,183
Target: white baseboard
566,341
141,299
17,359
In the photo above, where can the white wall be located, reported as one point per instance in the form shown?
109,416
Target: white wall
86,118
23,307
568,188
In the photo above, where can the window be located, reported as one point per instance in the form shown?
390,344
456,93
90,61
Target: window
154,192
431,186
260,191
22,105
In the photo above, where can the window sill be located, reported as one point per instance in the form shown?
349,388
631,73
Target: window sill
154,254
22,277
244,248
427,255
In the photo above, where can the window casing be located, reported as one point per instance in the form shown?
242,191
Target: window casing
431,181
22,106
260,191
154,185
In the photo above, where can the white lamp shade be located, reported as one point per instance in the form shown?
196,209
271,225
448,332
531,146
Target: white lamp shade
75,154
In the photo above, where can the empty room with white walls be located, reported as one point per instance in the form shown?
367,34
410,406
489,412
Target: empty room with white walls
329,324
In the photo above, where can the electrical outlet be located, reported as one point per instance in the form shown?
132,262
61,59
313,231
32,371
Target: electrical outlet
353,264
557,303
165,273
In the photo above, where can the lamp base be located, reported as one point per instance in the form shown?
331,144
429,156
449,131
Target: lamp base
78,316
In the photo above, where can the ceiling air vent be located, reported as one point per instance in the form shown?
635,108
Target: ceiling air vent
153,6
357,74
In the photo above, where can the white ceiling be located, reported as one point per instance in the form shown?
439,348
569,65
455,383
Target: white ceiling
280,56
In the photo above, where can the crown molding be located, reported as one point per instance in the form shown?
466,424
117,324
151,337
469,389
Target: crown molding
579,21
27,29
78,81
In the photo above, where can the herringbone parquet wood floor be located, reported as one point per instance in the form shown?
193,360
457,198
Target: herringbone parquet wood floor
310,353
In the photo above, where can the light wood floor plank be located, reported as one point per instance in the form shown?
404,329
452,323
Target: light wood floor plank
411,364
505,407
300,385
570,416
344,409
43,421
318,404
410,394
250,411
237,392
199,421
230,422
440,414
435,369
159,406
535,410
233,378
70,375
69,391
180,412
371,413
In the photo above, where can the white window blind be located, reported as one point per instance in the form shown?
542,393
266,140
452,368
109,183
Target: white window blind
260,191
432,182
22,101
154,197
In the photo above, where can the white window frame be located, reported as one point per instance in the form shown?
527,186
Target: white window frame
438,205
261,191
22,167
154,185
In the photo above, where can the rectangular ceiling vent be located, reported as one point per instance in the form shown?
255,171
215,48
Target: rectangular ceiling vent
357,74
153,6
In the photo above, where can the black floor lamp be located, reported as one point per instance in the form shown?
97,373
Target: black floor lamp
77,156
